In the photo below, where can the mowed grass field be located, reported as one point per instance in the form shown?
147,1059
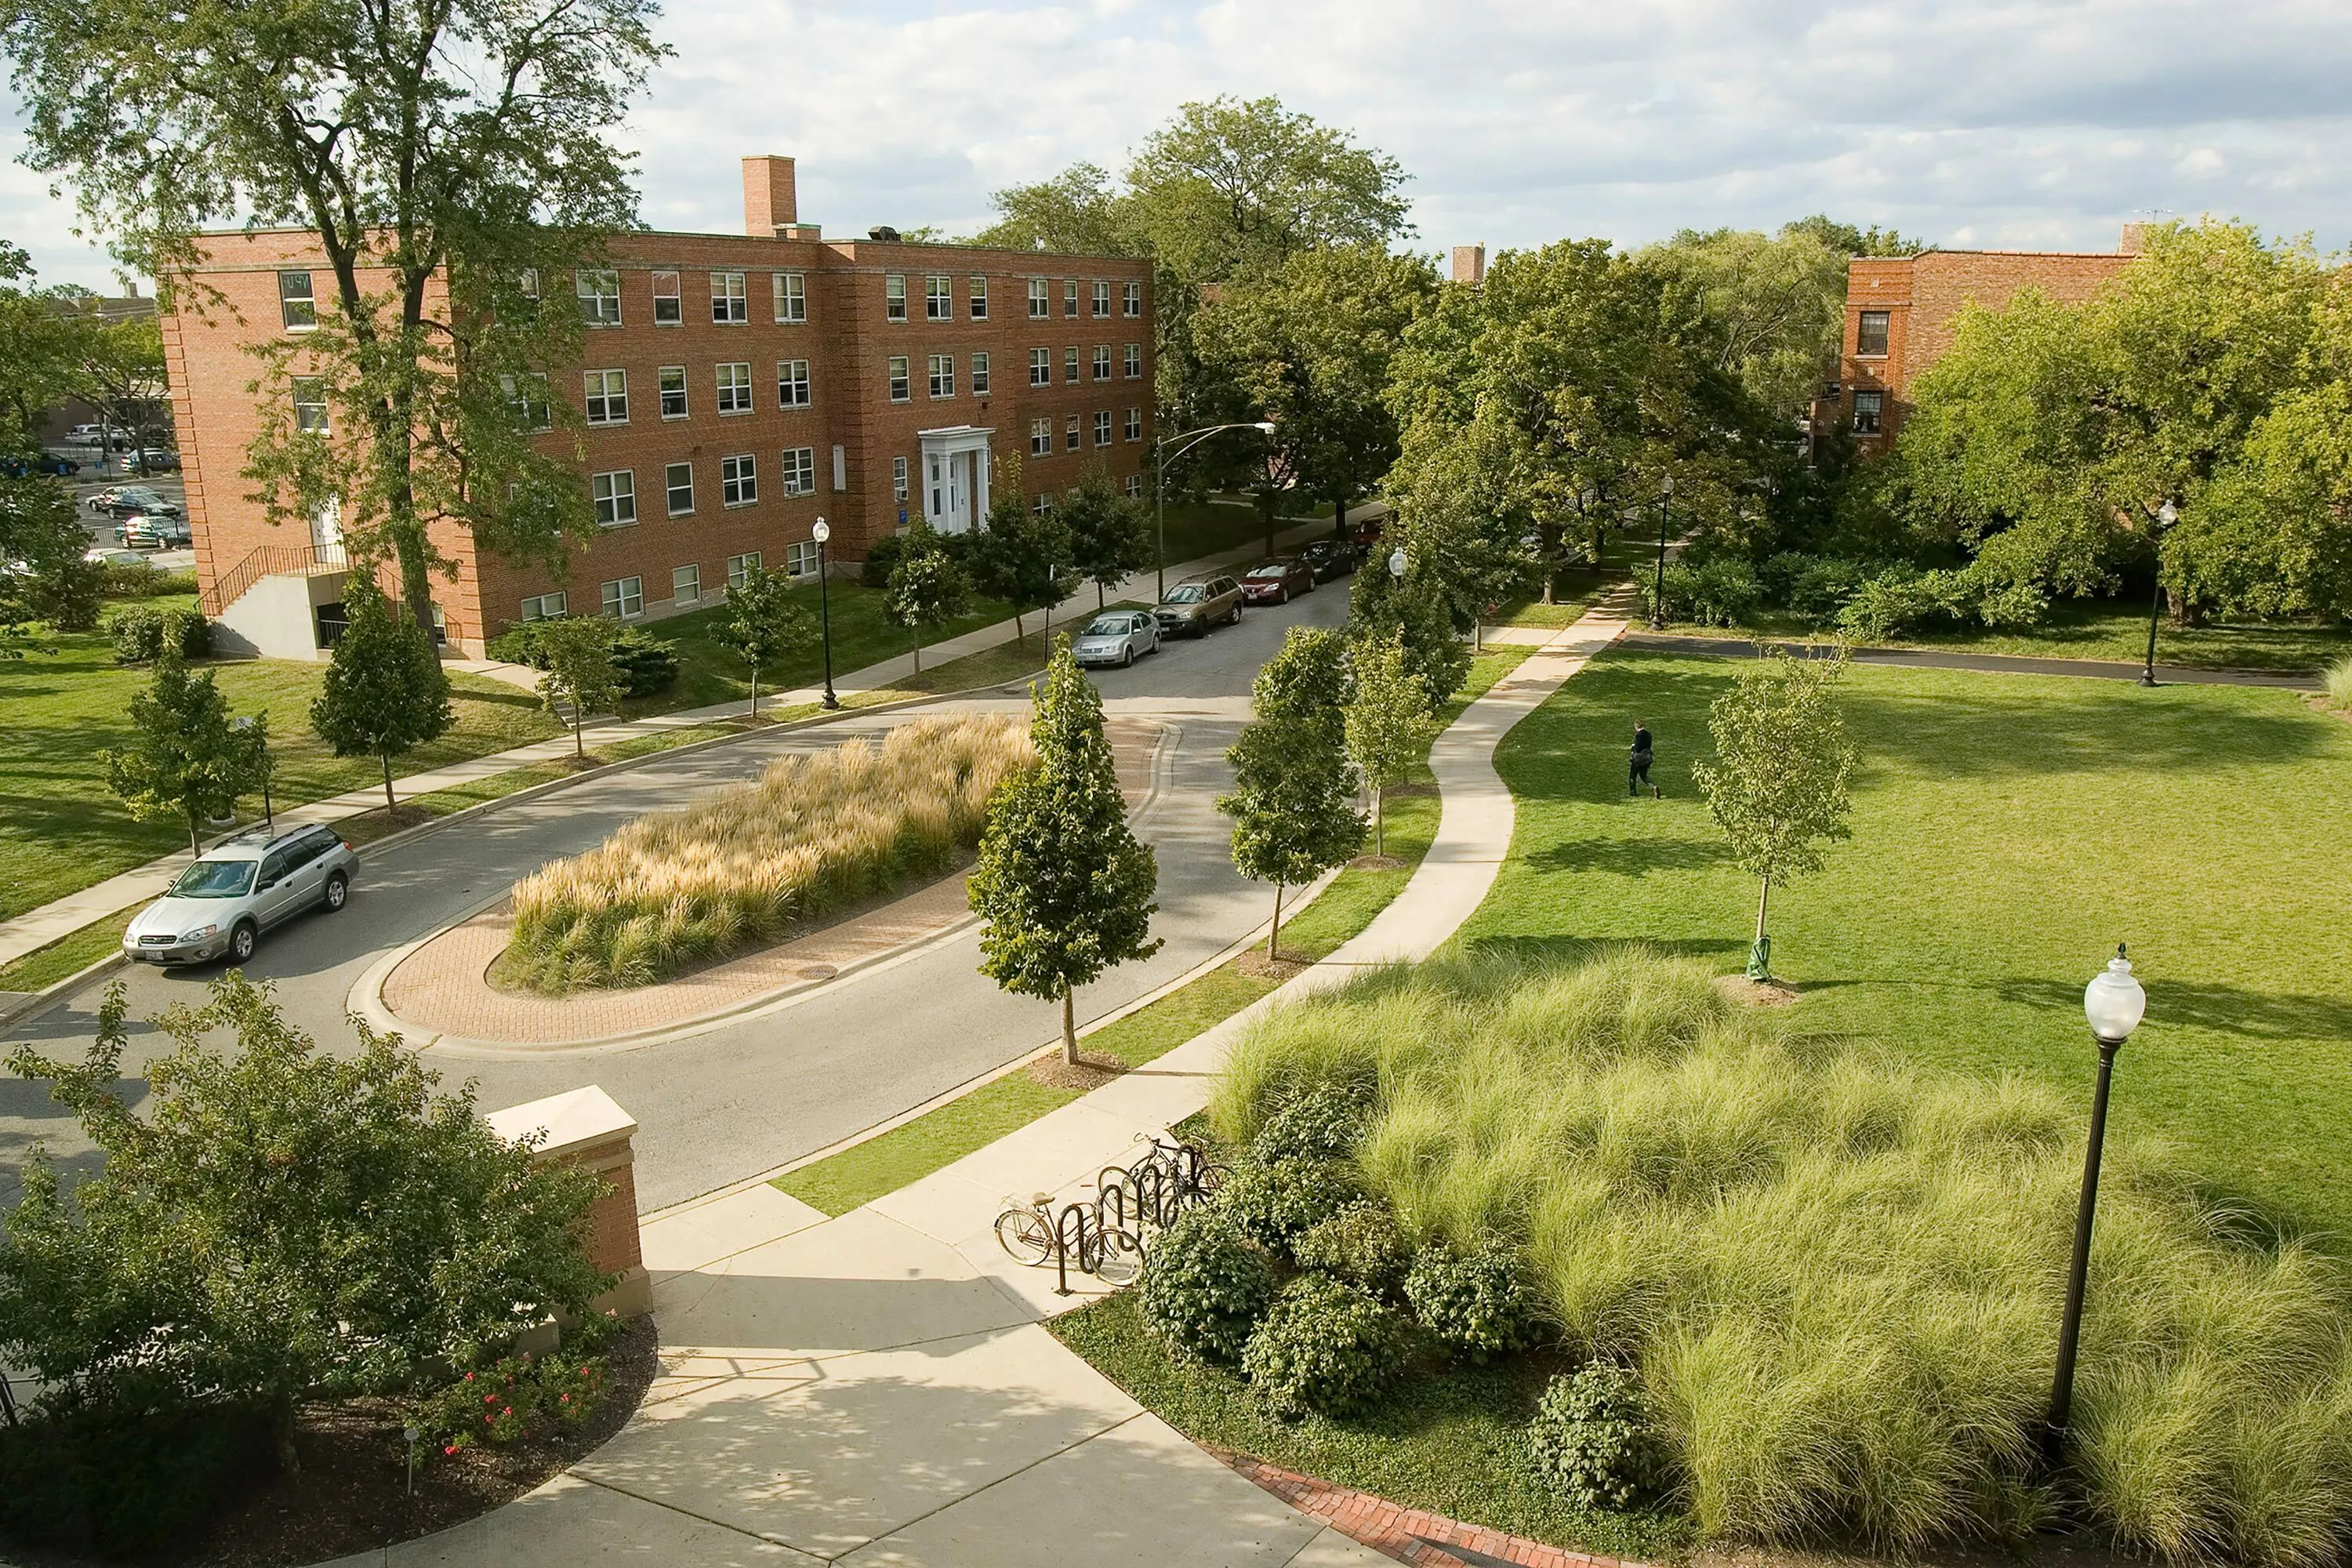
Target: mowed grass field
2009,831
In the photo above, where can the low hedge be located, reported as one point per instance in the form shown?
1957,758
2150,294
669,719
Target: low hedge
140,633
1206,1285
1324,1347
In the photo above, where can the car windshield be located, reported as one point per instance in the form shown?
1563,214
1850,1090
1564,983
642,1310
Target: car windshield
214,879
1110,626
1189,593
1268,573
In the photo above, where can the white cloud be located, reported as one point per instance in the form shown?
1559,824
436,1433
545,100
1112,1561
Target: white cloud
2009,122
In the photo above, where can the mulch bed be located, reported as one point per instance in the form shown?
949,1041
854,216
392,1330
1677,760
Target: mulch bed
1090,1073
1376,863
1257,966
1756,992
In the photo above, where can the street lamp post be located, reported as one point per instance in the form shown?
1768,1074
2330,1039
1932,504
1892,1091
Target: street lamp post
1160,458
2165,516
824,609
1658,589
2114,1002
261,723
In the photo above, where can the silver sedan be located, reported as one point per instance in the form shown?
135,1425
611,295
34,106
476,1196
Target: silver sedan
1116,637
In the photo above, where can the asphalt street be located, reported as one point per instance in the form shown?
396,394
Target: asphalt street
751,1096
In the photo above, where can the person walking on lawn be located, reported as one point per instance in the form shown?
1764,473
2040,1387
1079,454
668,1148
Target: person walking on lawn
1637,769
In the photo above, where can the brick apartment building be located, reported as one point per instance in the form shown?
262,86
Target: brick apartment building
736,389
1900,314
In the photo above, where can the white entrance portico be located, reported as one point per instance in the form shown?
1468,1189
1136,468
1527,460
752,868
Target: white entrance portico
955,477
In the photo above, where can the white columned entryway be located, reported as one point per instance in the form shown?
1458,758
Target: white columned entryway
955,477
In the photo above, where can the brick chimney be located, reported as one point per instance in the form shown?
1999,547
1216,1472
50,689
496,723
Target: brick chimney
1470,264
2129,244
769,205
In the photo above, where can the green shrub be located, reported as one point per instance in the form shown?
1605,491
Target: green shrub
137,634
1320,1125
882,558
1717,593
2338,683
117,1484
1362,1244
1206,1285
187,630
1592,1440
1473,1300
1277,1203
137,579
646,664
1324,1347
512,1398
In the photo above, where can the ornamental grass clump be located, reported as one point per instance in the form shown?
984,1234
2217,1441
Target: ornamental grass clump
1838,1276
748,865
2338,683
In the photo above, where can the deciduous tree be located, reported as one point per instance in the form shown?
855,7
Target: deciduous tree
186,762
764,624
1022,557
1389,720
1110,534
1292,803
580,675
385,692
927,587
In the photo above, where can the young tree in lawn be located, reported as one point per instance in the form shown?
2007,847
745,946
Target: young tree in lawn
1063,885
1389,723
308,1223
1293,802
927,587
1778,784
1110,532
386,690
1416,612
440,159
763,623
1022,557
186,762
579,673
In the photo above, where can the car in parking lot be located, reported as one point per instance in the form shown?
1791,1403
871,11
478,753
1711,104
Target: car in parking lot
114,557
239,888
1277,582
158,460
1330,557
153,531
1196,604
1116,637
55,463
134,501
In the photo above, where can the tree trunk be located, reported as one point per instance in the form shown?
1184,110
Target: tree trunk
1069,1028
1101,603
1380,843
389,804
195,845
1763,902
1019,635
579,724
1274,937
755,691
919,653
282,1435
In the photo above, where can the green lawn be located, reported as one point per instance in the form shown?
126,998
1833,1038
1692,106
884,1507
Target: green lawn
2009,830
59,828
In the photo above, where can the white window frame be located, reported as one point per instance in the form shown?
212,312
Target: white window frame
979,374
606,391
1134,360
535,415
938,297
902,386
740,567
799,465
527,284
1885,333
1074,439
1135,424
893,296
734,382
598,288
1041,437
943,375
739,480
297,312
1041,299
1043,504
671,381
1069,299
978,299
670,488
624,598
1102,362
792,383
1135,484
1102,428
1877,425
614,496
899,490
686,585
670,298
1131,298
791,292
1041,367
307,393
546,606
801,558
730,305
1070,376
1102,300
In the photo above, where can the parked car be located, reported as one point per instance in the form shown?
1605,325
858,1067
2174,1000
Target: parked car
159,460
114,557
45,463
1365,533
92,436
239,888
1196,604
153,531
1330,557
1117,637
1277,581
138,500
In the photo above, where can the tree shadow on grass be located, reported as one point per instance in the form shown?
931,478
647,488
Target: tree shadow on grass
1628,857
2053,730
2224,1009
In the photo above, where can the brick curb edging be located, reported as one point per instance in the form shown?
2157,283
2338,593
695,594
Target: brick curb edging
1408,1534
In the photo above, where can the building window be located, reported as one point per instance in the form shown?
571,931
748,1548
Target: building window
685,586
679,477
1135,484
1041,437
939,305
599,289
792,296
1071,435
1870,335
1132,300
900,388
980,375
669,305
546,606
1070,366
616,498
1070,297
739,567
792,384
1043,504
1102,427
943,375
1041,367
1135,424
980,299
894,297
840,466
673,391
735,388
624,598
799,470
1102,362
1868,407
1134,360
800,558
728,305
739,480
1102,300
527,284
1039,306
526,395
607,399
310,405
899,480
296,303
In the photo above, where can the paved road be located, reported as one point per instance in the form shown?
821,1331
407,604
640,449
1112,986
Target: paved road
744,1099
1998,663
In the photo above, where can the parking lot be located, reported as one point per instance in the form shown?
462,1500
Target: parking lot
100,527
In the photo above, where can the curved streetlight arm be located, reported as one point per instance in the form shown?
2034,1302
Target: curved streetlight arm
1160,460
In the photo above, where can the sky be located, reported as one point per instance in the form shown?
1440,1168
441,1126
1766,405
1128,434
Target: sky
2013,125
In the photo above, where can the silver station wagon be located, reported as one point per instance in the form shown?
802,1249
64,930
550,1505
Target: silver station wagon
239,888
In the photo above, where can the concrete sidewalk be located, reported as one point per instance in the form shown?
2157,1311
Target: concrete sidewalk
36,928
878,1388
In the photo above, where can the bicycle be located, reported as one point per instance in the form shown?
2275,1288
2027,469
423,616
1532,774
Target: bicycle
1025,1231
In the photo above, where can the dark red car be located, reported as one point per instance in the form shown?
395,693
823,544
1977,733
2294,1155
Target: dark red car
1277,582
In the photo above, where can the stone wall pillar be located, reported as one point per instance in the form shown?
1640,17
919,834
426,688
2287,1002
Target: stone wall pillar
585,1128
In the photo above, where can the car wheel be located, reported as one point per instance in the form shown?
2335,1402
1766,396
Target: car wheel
1283,597
1233,616
1127,656
339,889
240,943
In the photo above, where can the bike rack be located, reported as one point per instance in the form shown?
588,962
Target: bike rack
1129,1203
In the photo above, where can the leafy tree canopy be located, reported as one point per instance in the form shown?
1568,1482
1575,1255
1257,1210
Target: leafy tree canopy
385,692
186,762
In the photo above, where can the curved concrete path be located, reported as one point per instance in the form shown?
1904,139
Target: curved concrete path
878,1388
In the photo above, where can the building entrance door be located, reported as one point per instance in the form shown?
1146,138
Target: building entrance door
955,477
